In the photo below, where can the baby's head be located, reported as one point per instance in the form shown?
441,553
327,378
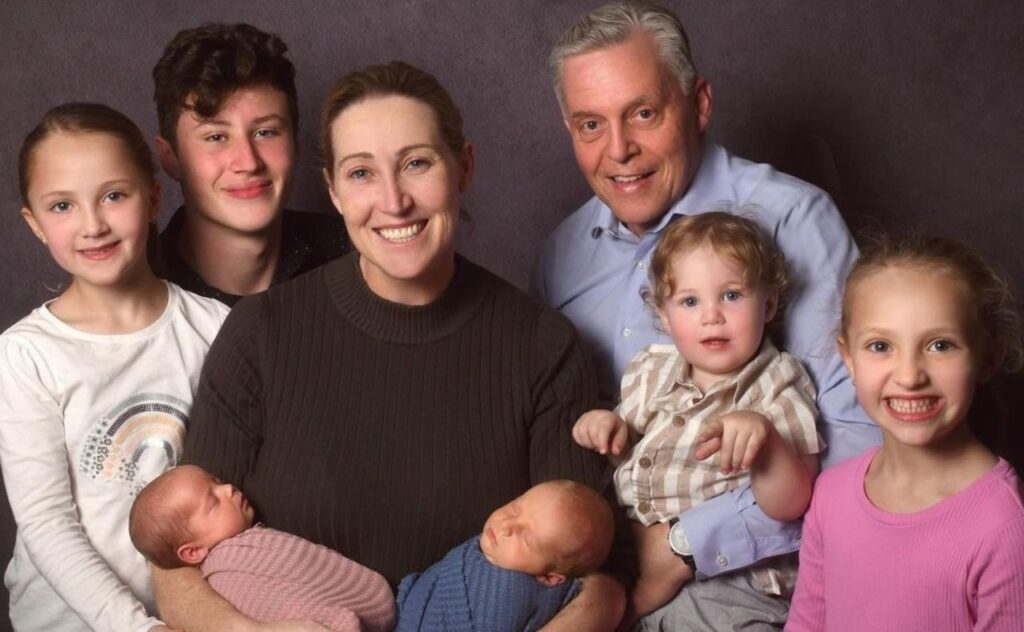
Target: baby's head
716,281
555,531
184,513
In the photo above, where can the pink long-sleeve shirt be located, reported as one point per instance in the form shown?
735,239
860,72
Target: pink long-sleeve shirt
957,565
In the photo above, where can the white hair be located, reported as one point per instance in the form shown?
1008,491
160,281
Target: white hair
615,22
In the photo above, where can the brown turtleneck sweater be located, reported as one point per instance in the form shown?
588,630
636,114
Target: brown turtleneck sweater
390,432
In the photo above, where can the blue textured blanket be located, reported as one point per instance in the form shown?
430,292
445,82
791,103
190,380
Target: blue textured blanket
466,593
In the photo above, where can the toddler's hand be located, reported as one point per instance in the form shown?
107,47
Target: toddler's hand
602,431
738,436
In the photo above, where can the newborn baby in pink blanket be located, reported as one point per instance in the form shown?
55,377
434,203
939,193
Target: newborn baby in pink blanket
187,517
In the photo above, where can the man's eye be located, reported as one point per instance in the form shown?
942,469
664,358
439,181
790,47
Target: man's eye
589,126
265,132
215,138
645,114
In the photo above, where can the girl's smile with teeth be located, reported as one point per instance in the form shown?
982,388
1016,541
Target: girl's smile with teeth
914,408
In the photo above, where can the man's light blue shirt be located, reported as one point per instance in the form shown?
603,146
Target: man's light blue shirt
593,270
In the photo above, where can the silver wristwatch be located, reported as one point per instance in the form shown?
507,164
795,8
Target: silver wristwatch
679,544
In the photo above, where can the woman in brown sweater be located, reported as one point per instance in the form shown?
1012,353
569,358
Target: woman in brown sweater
384,404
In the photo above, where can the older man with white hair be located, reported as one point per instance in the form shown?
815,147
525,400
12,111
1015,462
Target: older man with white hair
637,112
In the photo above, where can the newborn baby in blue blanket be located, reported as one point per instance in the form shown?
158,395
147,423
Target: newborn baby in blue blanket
519,572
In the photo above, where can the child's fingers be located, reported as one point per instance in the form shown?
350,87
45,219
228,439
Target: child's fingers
708,448
619,438
726,453
711,430
739,450
583,434
753,447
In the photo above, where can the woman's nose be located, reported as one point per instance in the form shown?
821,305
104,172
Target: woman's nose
395,199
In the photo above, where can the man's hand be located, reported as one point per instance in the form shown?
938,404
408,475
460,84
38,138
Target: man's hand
737,436
604,432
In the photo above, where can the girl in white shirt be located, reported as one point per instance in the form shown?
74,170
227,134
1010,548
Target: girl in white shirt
98,382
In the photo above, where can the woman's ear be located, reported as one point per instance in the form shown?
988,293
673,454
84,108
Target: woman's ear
330,190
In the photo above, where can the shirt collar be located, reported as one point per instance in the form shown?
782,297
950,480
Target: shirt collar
742,381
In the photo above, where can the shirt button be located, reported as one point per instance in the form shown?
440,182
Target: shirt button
644,462
678,421
723,560
627,332
643,507
642,265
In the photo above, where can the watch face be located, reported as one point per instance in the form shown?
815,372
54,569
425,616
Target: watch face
677,540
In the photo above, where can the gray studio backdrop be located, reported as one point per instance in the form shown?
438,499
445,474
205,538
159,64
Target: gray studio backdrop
908,113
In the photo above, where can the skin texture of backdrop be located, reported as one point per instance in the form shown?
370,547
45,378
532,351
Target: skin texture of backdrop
907,113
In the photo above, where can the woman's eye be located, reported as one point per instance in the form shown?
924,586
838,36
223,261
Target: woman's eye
878,346
359,174
418,164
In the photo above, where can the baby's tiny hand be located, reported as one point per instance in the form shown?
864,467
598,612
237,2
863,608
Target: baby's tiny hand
602,431
737,436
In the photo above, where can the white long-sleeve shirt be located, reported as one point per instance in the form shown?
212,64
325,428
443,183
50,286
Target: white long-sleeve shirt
86,420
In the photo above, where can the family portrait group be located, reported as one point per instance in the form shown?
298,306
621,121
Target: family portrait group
697,404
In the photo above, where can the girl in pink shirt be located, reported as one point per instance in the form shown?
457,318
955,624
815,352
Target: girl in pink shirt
927,531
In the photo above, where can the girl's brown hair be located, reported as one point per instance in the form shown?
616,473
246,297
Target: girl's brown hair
84,118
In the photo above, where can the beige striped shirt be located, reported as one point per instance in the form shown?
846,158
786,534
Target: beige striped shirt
665,411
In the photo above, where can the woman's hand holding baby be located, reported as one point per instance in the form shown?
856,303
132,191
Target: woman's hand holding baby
603,432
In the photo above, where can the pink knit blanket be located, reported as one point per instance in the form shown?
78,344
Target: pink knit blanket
270,575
